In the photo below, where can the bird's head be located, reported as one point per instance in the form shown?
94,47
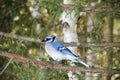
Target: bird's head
49,39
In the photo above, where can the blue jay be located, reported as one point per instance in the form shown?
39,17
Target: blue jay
58,51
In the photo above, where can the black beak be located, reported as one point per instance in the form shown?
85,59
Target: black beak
43,40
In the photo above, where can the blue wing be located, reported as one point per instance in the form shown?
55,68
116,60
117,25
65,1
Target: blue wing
61,48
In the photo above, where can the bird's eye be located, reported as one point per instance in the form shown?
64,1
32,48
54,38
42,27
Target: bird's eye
50,39
47,39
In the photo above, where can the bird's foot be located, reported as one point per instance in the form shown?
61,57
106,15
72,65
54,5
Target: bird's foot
53,63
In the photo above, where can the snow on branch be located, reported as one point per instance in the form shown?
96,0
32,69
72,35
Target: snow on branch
83,44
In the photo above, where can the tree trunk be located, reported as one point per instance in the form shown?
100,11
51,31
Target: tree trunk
36,14
109,39
68,19
90,58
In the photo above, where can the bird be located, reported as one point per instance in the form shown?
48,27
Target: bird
58,51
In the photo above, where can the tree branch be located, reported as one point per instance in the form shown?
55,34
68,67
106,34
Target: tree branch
20,37
96,52
49,65
84,8
89,44
14,57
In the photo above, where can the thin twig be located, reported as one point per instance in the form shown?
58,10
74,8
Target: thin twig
28,64
96,52
6,66
84,8
20,37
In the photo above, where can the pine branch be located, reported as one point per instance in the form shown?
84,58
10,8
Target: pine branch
14,57
84,8
20,37
49,65
89,44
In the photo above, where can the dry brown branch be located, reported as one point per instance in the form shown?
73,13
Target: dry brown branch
113,44
41,64
49,65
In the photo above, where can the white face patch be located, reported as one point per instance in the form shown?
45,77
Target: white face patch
50,39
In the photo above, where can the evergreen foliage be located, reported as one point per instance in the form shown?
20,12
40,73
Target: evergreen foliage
16,18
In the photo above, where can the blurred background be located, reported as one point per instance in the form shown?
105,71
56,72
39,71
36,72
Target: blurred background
39,18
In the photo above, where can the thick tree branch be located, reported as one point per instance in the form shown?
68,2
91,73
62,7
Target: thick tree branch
15,57
90,44
49,65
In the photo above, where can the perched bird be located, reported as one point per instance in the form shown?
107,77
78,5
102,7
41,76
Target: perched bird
58,51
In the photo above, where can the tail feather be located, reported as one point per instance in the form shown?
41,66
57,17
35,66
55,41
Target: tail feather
85,64
76,59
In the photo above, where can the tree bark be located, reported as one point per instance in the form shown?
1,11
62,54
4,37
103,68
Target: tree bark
68,19
90,59
109,39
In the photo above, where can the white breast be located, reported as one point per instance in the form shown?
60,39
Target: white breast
56,55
